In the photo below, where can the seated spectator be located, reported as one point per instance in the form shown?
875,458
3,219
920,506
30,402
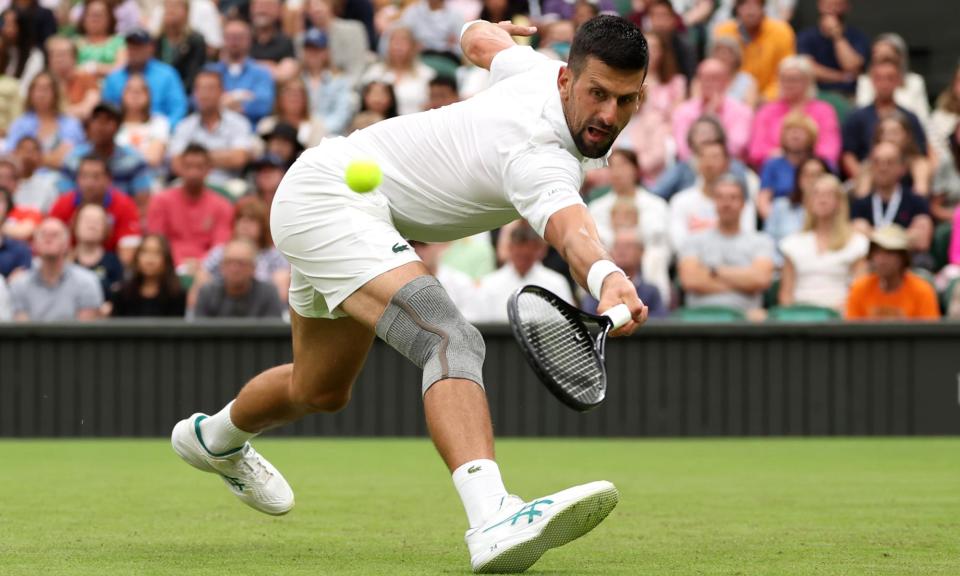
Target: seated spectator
57,133
683,175
912,94
153,289
268,171
378,98
778,177
94,187
250,223
142,130
665,23
90,231
859,127
271,48
180,43
891,291
20,58
945,191
626,250
238,293
128,170
796,90
403,69
224,133
525,251
890,203
515,11
56,290
713,77
191,217
820,263
293,108
43,23
776,9
167,97
788,214
649,130
126,14
895,129
282,142
14,255
79,91
100,50
349,49
435,26
764,42
727,265
247,86
839,51
330,93
20,221
653,217
694,210
460,287
11,105
6,307
946,116
37,186
442,91
566,9
743,87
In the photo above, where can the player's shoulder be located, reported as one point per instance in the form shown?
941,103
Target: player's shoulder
518,60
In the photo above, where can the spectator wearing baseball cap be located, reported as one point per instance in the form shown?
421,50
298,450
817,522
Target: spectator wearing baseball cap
891,290
330,93
283,143
268,171
167,95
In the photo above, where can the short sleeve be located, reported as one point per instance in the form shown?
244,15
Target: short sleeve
541,182
691,247
513,61
789,247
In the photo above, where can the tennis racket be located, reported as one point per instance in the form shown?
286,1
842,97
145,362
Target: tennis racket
564,345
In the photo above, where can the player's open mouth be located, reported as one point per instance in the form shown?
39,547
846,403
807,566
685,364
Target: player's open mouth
597,134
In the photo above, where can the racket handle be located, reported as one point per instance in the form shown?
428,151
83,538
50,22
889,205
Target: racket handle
619,315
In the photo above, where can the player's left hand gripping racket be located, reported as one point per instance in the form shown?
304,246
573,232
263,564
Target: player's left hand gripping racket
559,343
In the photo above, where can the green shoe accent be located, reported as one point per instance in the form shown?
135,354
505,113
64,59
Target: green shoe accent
196,428
530,511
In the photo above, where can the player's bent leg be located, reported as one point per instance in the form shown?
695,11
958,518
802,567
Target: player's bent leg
328,356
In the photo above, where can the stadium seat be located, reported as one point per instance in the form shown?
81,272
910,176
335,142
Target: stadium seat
771,296
441,64
802,313
840,105
940,247
709,314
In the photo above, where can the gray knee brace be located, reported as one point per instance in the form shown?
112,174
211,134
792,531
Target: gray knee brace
423,324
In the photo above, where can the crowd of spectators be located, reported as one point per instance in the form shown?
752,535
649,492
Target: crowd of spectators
768,171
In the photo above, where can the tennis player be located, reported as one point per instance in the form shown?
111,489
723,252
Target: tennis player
518,149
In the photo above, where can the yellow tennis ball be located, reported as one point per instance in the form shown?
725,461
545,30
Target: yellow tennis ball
363,175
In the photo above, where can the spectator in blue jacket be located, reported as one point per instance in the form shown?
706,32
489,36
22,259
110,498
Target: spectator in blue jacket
248,86
167,95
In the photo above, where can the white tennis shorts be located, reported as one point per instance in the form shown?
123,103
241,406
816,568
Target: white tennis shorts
335,239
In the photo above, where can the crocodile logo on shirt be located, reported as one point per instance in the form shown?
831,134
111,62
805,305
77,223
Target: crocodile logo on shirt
398,248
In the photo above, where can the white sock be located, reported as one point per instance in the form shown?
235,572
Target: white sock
481,489
219,433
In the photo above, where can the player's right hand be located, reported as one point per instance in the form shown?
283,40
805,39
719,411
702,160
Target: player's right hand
515,30
618,289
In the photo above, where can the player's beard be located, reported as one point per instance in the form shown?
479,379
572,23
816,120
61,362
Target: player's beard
593,148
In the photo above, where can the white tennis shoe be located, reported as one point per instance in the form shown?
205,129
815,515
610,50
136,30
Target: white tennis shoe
520,532
246,473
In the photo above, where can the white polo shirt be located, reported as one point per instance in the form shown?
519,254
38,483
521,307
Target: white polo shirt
476,165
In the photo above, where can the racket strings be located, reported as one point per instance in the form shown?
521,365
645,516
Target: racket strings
562,346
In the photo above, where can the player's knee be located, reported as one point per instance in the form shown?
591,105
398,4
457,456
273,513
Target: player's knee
423,324
312,398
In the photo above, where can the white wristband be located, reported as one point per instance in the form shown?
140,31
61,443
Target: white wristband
467,25
598,273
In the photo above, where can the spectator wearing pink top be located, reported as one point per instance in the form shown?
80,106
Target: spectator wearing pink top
713,77
192,217
797,89
955,239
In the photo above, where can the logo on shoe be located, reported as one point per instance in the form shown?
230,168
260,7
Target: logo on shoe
529,510
398,248
473,469
235,482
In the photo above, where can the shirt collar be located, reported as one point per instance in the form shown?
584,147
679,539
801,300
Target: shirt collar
553,114
107,198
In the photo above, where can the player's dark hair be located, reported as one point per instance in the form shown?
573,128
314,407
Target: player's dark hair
612,40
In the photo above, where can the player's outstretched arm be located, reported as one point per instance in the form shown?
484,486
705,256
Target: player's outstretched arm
573,233
481,40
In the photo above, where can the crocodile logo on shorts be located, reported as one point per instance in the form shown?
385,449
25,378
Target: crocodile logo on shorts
398,248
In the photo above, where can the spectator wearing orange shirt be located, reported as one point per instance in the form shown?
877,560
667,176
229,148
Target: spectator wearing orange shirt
764,41
192,217
891,291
